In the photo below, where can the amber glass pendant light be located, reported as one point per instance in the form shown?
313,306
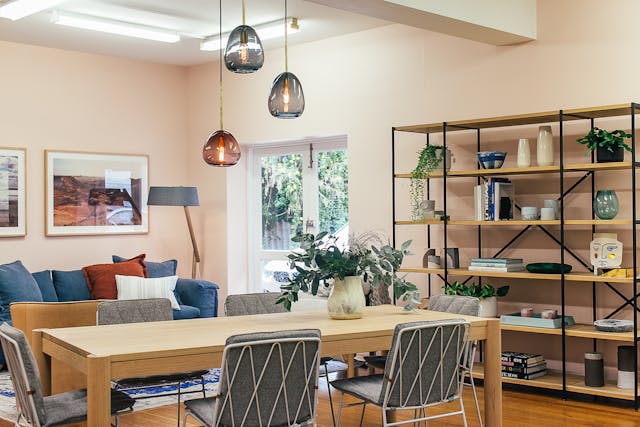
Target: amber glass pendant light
221,148
286,100
244,53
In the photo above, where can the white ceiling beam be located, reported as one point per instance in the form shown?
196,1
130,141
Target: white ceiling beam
496,22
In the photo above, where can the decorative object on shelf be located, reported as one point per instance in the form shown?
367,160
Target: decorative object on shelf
593,369
320,261
427,209
452,258
430,159
529,213
244,53
526,312
619,272
536,321
434,262
13,193
491,159
555,204
179,196
504,265
428,255
286,100
548,268
221,148
606,252
544,146
549,314
613,325
547,214
626,362
606,205
486,293
96,193
524,153
609,146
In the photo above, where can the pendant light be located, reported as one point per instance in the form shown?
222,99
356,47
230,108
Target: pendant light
286,100
221,148
244,53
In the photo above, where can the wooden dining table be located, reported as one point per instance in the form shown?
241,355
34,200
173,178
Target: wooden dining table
103,353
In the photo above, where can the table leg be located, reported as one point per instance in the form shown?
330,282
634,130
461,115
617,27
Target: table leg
98,392
492,376
351,370
43,361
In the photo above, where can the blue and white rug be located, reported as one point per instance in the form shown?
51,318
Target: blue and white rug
8,402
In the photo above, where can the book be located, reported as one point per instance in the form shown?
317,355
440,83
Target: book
491,196
505,269
524,376
477,203
498,260
503,201
494,264
522,358
522,369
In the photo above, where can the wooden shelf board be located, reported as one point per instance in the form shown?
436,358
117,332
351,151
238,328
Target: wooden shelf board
603,111
426,222
520,222
422,270
578,331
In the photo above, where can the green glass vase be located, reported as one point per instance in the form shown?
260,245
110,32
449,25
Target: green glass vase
605,205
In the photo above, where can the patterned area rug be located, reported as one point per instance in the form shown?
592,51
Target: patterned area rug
8,402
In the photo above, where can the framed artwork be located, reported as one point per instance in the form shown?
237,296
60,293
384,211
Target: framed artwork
12,192
96,193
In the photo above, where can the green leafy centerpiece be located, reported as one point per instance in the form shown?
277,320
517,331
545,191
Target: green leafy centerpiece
321,262
486,293
609,146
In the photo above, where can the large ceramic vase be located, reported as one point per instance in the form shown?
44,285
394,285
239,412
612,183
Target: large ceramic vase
347,299
544,149
606,205
488,307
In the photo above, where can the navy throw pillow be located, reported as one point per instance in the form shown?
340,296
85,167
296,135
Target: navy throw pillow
16,285
45,283
70,285
155,269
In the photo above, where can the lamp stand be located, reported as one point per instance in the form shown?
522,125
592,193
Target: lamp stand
196,253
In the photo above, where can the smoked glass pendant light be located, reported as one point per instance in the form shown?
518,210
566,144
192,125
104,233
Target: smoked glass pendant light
244,53
286,100
221,148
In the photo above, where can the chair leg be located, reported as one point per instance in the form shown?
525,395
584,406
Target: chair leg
364,406
184,420
333,417
204,394
179,396
475,398
340,409
464,415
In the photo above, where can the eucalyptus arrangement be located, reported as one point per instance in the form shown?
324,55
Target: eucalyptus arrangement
477,291
429,158
609,145
320,261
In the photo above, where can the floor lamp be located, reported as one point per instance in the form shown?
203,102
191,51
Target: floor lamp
178,196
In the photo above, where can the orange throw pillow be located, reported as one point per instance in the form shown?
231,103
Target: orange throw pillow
101,278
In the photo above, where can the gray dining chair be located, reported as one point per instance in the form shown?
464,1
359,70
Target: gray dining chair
423,369
147,310
264,303
37,410
267,379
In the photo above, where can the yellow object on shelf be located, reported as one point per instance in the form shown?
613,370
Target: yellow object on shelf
619,272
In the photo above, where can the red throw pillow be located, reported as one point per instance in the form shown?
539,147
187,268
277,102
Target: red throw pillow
101,278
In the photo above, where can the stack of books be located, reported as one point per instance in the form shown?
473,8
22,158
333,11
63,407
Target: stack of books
496,264
523,366
494,200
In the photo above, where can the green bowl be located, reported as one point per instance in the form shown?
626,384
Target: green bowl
548,268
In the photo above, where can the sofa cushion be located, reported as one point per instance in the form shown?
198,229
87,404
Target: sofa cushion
186,312
101,278
70,285
16,284
133,287
45,283
155,269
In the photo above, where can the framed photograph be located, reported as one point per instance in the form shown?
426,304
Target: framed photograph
12,192
96,193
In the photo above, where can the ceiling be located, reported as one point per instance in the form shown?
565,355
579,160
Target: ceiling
194,19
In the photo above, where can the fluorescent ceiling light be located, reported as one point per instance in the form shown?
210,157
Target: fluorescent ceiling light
269,30
114,27
20,8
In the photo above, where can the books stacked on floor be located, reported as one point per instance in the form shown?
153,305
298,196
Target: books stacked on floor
496,264
523,366
494,200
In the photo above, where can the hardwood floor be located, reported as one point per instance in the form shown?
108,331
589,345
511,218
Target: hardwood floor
520,410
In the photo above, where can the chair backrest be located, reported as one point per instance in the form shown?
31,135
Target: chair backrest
457,304
269,379
134,311
259,303
423,365
24,375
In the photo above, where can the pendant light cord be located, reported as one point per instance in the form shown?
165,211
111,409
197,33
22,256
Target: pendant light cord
243,13
220,63
286,44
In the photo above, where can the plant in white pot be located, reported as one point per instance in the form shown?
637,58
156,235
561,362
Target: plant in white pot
321,262
487,294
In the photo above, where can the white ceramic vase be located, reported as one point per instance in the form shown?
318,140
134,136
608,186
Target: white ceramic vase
347,299
524,153
488,307
545,146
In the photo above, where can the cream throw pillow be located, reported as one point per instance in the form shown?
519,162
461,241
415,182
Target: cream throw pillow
132,287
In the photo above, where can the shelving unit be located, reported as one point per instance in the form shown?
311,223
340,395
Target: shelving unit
557,380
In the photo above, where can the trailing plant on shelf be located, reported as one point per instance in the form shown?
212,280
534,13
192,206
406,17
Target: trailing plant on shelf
320,261
429,158
609,145
473,290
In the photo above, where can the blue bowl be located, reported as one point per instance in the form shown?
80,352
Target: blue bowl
491,159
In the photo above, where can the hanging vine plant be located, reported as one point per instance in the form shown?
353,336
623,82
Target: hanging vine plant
429,159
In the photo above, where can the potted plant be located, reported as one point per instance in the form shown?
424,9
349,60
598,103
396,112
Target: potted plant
609,146
429,159
321,262
486,293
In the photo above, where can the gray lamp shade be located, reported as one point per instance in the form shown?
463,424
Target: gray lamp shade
173,196
244,53
286,100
